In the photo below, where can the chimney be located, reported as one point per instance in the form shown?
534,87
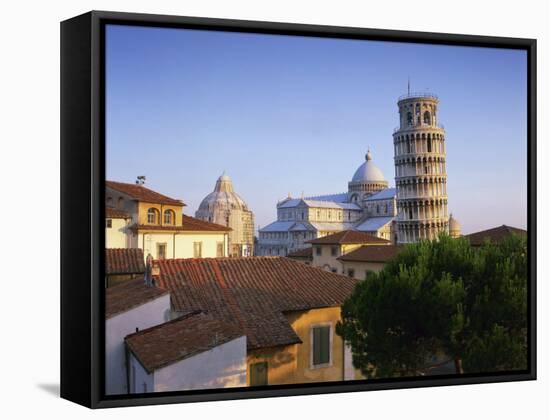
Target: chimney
149,271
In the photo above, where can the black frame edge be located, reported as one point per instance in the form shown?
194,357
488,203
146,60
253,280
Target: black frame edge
75,128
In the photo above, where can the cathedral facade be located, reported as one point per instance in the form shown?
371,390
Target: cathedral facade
368,206
415,209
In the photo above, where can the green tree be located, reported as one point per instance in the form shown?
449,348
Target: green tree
441,296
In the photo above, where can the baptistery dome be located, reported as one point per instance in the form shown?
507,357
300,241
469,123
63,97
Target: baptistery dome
223,197
225,207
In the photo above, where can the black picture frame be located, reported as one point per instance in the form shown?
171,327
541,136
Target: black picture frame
82,205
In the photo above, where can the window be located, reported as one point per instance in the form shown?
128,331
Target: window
152,216
334,251
429,145
109,201
197,250
318,250
409,118
258,374
219,249
320,343
427,118
169,217
109,223
161,251
351,272
120,204
334,270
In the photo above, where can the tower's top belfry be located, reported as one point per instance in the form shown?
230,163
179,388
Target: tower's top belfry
420,170
418,110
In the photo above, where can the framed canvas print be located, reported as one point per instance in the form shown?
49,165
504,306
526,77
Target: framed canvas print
255,209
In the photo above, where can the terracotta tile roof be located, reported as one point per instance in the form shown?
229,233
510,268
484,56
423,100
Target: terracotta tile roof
496,235
348,237
189,224
140,193
301,253
128,295
372,253
111,213
179,339
252,292
124,261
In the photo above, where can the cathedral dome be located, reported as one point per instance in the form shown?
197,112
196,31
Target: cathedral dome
223,197
368,171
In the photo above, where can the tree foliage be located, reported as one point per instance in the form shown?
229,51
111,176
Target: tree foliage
441,296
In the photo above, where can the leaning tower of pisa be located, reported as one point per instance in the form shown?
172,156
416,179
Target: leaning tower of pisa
420,174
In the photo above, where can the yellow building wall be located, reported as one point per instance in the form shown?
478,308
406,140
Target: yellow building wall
144,207
292,364
327,261
183,243
116,236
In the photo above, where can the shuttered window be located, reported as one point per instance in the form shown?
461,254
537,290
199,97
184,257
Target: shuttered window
321,345
258,374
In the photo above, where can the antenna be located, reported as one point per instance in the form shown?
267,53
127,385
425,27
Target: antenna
408,85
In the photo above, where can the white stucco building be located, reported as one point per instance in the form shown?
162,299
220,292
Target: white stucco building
129,307
194,351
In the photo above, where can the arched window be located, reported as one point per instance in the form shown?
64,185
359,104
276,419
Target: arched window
429,144
120,203
109,201
427,118
152,216
409,118
169,217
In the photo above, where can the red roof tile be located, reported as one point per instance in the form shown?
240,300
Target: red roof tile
348,237
495,235
301,253
140,193
128,295
253,292
179,339
111,213
124,261
372,253
189,224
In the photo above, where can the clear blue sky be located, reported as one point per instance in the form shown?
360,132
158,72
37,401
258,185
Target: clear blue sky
287,114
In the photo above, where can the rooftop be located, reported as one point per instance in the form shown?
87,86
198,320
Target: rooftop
384,194
189,224
252,293
372,224
112,213
495,235
191,334
372,253
348,237
128,295
124,261
141,193
301,253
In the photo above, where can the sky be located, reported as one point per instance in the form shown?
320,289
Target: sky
295,115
